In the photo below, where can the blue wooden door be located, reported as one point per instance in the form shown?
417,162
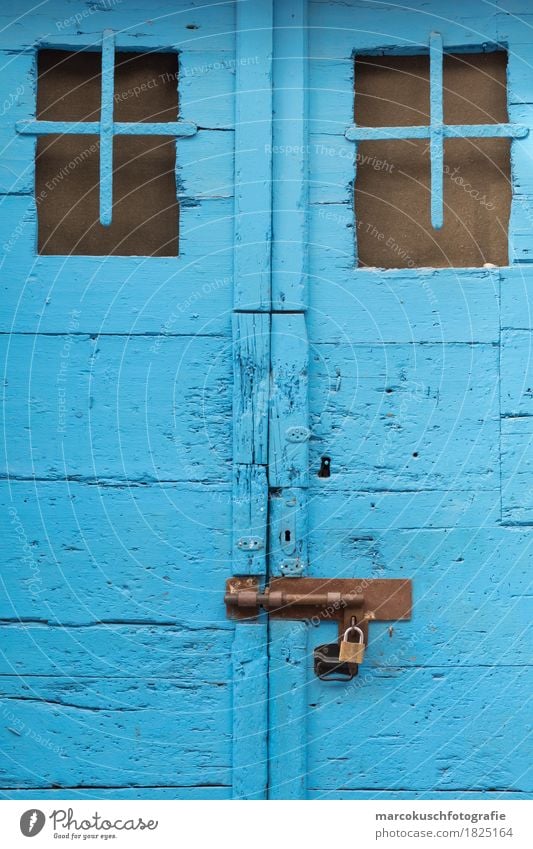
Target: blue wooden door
116,655
412,384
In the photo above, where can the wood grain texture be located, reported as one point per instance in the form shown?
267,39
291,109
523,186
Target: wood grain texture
426,729
251,370
253,159
471,604
119,650
80,554
249,521
165,405
114,733
405,417
429,713
290,157
126,295
250,711
201,792
287,711
59,25
288,426
288,532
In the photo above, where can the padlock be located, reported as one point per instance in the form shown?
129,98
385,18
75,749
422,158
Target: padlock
352,652
328,667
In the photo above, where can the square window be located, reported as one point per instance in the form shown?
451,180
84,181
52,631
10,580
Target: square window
392,187
145,207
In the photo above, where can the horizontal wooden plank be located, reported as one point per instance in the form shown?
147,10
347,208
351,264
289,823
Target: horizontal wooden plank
421,729
188,25
471,599
340,27
202,792
111,732
158,295
131,408
408,795
82,554
399,417
383,510
117,651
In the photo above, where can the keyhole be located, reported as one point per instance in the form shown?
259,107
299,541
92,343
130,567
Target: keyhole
287,536
325,467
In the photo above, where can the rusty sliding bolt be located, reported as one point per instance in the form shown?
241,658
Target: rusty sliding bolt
278,599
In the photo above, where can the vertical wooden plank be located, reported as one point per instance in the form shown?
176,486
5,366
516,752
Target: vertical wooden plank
288,454
253,156
288,710
250,712
289,413
290,159
250,507
251,294
251,366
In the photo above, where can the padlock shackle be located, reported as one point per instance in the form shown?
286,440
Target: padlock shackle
355,628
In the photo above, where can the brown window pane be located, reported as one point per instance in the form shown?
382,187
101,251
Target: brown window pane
392,188
145,208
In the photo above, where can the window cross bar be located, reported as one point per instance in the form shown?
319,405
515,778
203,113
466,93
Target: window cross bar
107,128
437,130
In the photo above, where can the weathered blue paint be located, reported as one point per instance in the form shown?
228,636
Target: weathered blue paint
251,375
418,392
436,138
130,481
106,127
251,381
249,523
288,532
120,128
113,630
250,711
289,415
288,659
289,161
253,156
453,131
